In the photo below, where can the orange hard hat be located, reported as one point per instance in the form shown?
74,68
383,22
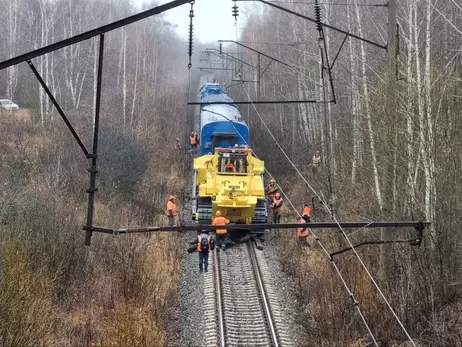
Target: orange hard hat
171,197
218,213
278,195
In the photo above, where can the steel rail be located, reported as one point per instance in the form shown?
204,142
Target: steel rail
219,303
261,288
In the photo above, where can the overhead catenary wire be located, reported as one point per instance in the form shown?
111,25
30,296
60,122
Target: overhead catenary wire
350,293
336,221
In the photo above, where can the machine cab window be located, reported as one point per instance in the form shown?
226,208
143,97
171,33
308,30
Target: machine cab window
232,163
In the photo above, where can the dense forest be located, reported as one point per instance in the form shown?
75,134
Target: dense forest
53,289
377,164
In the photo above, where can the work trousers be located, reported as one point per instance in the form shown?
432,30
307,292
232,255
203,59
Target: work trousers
276,216
304,240
221,240
203,260
306,218
171,221
193,145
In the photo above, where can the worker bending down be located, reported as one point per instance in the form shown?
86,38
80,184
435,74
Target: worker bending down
276,207
177,144
222,234
306,213
203,244
302,233
171,210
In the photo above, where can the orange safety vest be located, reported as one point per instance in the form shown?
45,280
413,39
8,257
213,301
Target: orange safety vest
199,248
306,211
230,166
192,140
220,221
276,202
302,232
171,206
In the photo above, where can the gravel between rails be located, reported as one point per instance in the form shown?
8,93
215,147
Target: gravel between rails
197,301
244,319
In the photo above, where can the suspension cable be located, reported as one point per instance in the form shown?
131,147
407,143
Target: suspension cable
336,221
348,290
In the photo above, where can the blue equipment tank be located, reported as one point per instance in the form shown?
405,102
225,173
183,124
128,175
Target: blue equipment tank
220,125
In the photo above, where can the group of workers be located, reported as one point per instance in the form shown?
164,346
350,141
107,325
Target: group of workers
276,202
204,243
193,141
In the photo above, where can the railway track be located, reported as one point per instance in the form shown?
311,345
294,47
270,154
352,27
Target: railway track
242,309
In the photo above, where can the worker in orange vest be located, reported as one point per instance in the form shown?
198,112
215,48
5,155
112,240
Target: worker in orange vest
203,244
276,207
270,190
302,233
306,213
171,210
230,167
177,144
193,140
221,233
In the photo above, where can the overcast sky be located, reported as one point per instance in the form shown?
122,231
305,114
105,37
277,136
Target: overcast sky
212,21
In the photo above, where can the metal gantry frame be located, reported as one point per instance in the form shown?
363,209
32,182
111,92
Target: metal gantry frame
226,56
92,156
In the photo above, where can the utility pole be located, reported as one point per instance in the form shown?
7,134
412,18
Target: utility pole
258,77
387,234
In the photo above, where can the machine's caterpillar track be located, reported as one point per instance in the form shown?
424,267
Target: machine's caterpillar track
204,210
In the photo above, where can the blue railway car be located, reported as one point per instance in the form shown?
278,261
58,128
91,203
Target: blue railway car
220,125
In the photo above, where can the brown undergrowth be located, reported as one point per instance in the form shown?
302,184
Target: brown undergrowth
330,315
54,291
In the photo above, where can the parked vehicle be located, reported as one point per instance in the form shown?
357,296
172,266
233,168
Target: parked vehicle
8,104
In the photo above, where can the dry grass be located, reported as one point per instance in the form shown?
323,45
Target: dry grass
27,313
55,291
413,287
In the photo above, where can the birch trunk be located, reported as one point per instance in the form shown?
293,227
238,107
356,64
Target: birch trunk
354,103
13,26
132,113
409,112
368,114
430,186
124,77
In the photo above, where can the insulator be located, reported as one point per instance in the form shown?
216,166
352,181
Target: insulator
235,10
191,30
317,16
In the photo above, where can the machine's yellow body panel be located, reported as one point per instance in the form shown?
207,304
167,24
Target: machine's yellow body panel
235,194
